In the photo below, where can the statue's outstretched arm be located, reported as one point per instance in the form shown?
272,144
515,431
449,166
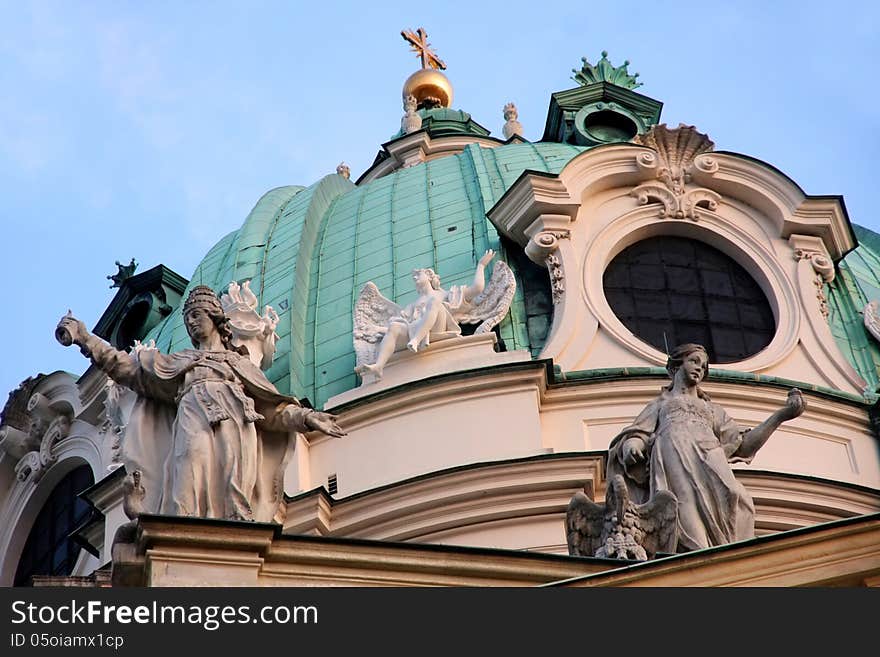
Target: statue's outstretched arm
299,418
479,281
755,438
118,365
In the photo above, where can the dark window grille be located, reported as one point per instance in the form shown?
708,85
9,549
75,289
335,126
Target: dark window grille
673,290
48,550
332,484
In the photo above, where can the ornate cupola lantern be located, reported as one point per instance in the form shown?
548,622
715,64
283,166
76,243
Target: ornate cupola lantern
603,109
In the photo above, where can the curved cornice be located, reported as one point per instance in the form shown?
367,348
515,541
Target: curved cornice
420,146
737,176
480,495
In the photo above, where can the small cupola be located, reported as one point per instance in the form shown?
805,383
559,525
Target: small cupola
427,96
603,109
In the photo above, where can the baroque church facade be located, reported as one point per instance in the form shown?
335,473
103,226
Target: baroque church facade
624,237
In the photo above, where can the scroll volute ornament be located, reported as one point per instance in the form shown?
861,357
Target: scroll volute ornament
677,152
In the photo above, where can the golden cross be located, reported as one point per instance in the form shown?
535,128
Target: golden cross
419,42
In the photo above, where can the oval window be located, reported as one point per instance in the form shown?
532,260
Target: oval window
672,290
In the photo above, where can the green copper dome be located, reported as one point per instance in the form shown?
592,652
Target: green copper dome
857,282
309,251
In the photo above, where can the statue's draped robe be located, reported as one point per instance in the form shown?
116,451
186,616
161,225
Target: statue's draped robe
206,432
689,443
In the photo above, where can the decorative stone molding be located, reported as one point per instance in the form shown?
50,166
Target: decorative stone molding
16,438
544,243
771,194
537,212
821,264
34,464
417,147
762,209
677,153
842,554
557,278
473,496
42,420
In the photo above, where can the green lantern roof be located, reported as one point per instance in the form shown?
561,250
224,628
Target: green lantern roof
603,71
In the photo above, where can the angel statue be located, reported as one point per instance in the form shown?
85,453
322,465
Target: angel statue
381,327
208,433
250,330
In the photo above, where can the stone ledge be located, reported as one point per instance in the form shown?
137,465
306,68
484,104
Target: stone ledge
442,357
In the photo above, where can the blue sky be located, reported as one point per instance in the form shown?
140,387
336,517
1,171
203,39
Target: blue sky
149,130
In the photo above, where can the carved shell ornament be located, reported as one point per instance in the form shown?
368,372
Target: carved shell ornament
677,151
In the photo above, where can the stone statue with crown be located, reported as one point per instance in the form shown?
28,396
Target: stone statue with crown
209,435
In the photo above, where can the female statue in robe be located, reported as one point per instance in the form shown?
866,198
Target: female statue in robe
682,442
210,435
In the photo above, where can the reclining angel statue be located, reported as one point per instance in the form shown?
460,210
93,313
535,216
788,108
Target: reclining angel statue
209,435
679,448
381,327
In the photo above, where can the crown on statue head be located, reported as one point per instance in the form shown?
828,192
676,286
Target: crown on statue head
202,296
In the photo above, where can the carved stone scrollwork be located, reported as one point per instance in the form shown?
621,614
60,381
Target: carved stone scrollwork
706,164
544,243
35,464
822,265
19,431
678,151
557,279
541,249
824,269
31,425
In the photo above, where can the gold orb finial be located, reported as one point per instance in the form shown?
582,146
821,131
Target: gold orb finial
429,86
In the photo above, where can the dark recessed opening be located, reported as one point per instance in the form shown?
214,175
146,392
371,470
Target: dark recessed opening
672,290
131,327
608,126
48,550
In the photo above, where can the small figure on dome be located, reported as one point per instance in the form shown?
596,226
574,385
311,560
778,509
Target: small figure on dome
512,126
411,121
